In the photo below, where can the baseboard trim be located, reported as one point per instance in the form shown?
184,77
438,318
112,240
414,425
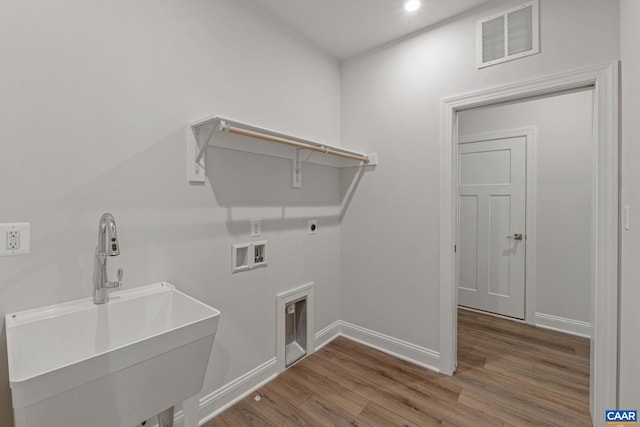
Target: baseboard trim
404,350
562,324
229,394
395,347
328,334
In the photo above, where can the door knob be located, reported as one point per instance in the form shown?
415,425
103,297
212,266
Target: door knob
516,236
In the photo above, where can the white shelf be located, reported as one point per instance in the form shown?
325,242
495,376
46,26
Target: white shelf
204,133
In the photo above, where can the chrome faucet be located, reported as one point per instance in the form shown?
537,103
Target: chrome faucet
107,246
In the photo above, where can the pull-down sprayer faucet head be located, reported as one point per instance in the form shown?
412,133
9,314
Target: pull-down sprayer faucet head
108,236
107,246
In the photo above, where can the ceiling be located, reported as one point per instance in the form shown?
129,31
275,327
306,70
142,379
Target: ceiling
345,28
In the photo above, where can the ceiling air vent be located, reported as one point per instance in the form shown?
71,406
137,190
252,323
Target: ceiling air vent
508,35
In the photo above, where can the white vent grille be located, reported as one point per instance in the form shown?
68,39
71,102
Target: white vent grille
508,35
493,39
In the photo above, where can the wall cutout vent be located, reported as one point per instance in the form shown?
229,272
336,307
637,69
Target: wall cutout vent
508,35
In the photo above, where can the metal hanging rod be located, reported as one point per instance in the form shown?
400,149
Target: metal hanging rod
224,127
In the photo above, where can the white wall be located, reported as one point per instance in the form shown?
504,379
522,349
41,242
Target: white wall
630,153
95,97
563,194
391,105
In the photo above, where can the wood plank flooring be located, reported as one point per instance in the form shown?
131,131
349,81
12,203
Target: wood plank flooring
509,374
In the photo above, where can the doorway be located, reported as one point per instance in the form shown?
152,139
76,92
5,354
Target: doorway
604,214
542,164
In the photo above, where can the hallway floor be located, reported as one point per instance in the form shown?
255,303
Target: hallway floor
509,374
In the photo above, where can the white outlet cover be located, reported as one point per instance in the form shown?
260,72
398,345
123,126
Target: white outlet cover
256,227
23,245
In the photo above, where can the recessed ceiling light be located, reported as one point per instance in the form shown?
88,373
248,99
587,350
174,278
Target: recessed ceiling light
412,5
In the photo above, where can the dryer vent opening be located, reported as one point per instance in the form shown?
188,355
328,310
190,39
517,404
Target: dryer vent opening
295,331
295,326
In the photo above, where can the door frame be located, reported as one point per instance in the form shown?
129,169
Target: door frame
604,260
530,134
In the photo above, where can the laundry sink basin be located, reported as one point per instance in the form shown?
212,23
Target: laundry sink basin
118,363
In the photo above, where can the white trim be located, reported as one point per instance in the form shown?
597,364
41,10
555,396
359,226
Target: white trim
282,299
231,393
328,334
604,79
401,349
562,324
530,133
404,350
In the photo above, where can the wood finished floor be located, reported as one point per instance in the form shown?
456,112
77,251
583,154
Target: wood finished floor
509,374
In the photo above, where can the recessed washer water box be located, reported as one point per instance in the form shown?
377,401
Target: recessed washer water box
113,364
247,256
259,254
240,257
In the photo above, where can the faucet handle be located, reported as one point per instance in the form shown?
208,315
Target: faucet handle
120,274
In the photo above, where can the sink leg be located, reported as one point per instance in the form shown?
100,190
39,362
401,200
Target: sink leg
191,409
165,418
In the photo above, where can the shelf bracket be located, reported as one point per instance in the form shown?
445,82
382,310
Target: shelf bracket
195,156
203,147
296,168
195,152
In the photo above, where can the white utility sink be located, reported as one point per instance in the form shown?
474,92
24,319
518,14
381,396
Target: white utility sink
113,364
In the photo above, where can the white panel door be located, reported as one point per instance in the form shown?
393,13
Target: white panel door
491,243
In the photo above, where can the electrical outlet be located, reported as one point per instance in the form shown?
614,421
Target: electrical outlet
15,238
256,227
312,226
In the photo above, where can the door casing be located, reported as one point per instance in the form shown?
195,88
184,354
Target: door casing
604,79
